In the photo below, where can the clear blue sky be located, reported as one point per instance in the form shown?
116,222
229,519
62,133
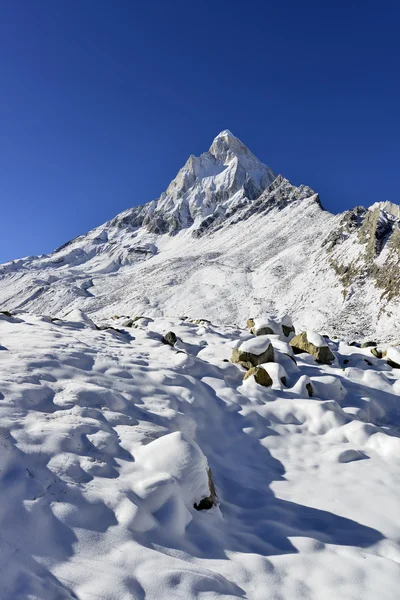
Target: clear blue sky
102,102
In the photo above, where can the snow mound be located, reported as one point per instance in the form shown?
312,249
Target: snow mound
256,345
183,460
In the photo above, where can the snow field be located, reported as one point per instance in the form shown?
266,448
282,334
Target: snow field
106,438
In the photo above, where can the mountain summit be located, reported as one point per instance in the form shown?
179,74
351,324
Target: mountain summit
216,180
227,240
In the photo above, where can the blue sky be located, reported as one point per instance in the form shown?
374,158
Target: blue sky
102,102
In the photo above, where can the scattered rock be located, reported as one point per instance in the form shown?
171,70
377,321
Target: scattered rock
260,375
318,347
253,354
170,338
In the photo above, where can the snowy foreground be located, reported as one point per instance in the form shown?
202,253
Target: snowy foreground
106,438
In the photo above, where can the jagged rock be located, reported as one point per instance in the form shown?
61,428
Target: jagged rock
170,338
368,344
211,500
254,352
260,375
319,349
377,353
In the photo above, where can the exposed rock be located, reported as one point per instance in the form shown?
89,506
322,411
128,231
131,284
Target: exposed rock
127,323
309,389
287,329
321,353
6,313
170,338
250,323
368,344
260,375
377,353
211,500
264,330
249,355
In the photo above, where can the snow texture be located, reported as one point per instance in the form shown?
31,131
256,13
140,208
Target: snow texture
106,438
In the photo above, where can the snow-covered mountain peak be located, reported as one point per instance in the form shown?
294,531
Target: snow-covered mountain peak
211,184
225,144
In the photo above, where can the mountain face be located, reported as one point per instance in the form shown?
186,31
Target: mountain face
227,240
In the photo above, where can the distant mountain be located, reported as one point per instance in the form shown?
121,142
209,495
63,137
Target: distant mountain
227,240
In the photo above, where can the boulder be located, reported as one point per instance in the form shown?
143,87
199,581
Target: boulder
253,352
314,344
170,338
260,375
271,326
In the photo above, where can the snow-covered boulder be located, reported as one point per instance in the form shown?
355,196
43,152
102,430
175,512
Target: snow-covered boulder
271,326
253,352
181,458
314,344
260,375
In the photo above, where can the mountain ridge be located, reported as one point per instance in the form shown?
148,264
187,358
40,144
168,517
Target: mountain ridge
228,239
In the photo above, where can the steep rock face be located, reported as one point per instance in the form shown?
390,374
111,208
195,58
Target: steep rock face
226,240
217,180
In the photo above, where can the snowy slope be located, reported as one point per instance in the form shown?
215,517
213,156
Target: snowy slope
228,240
106,438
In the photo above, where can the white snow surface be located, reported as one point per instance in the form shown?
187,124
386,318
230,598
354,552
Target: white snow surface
106,437
315,339
394,355
256,345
